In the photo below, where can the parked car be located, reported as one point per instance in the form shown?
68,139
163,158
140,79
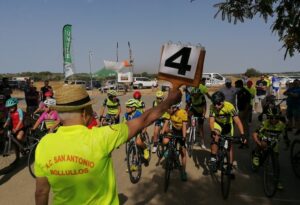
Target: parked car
78,82
13,84
213,79
144,82
113,85
285,80
96,84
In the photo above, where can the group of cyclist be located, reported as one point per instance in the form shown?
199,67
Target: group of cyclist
222,117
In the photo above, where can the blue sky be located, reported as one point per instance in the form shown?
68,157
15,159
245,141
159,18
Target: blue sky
31,35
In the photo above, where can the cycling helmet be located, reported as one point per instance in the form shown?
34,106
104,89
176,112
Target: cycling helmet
48,94
112,93
137,95
178,105
131,103
159,94
11,102
217,97
50,102
195,91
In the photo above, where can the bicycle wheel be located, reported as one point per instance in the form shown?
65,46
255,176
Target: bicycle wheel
295,157
160,150
225,175
270,177
134,163
168,169
8,158
190,142
31,160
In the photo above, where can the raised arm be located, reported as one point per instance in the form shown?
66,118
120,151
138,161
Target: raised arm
137,124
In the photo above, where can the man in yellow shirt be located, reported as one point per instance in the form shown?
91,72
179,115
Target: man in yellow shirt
75,162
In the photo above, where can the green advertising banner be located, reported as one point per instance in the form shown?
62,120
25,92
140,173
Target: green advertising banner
67,41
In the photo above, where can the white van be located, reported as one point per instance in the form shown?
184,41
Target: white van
213,79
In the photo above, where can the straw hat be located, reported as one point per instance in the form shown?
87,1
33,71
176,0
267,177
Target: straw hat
72,97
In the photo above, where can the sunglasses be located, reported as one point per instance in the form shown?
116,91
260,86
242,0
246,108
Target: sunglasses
217,104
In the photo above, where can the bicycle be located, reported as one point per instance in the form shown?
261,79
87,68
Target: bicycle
295,157
9,140
172,159
108,120
37,135
269,162
134,156
191,139
223,162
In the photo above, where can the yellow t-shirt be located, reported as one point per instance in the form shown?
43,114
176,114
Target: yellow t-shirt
178,118
225,115
77,163
252,91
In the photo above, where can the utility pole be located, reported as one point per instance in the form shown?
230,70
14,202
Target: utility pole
91,76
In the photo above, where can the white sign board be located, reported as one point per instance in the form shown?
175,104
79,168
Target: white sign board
125,77
182,64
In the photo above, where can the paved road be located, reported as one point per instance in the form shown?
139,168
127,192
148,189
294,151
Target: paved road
17,187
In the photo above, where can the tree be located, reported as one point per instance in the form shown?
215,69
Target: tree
252,72
285,12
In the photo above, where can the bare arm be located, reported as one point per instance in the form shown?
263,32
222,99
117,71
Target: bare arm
239,124
42,191
137,124
211,123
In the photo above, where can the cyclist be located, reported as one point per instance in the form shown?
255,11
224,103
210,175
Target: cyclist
198,109
132,112
113,108
158,123
141,105
93,121
178,119
50,117
270,127
15,121
48,95
222,114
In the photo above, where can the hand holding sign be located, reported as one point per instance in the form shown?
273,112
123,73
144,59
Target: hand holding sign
181,64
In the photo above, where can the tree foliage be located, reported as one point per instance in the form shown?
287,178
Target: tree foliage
285,12
252,72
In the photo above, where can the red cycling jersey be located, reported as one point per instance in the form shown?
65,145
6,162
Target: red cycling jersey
15,118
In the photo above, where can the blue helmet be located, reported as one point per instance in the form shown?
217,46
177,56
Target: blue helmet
11,102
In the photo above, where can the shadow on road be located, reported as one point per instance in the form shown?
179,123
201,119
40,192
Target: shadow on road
12,169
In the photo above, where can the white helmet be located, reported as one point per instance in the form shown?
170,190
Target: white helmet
50,102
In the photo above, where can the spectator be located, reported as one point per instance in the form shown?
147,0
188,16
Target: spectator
289,106
275,85
261,92
31,97
252,91
294,94
243,97
5,88
45,89
229,92
80,170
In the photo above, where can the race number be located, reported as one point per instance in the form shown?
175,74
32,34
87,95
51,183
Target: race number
181,64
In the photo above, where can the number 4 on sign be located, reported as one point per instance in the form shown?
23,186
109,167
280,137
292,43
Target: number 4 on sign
183,66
